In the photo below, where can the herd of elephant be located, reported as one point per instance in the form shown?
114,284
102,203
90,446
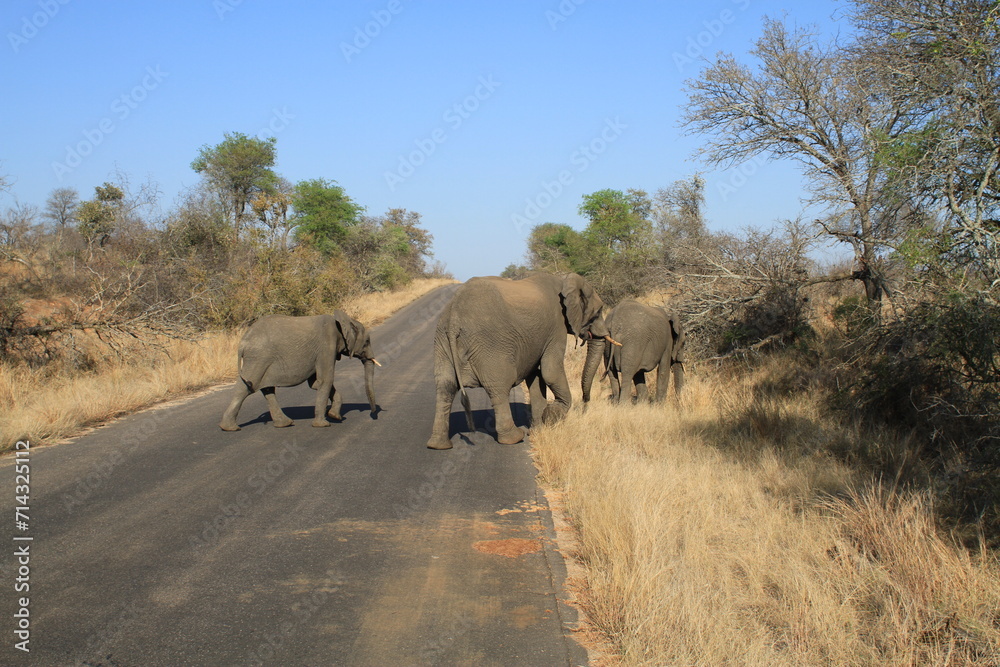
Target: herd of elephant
495,333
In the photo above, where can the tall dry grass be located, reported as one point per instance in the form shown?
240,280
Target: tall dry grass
45,405
725,533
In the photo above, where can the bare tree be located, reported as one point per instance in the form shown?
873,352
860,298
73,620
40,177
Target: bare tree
271,209
811,103
18,237
60,208
942,57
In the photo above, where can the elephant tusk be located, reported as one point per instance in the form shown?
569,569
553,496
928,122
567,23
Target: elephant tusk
377,363
612,341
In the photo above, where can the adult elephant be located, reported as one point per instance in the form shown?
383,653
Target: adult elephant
651,338
496,333
285,350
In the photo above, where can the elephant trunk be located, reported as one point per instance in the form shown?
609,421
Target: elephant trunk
370,384
595,351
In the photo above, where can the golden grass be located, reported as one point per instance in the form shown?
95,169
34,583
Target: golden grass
373,309
46,405
723,533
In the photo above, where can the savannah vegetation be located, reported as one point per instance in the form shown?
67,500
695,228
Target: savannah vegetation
110,304
827,490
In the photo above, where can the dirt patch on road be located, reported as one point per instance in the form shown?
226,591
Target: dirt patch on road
511,548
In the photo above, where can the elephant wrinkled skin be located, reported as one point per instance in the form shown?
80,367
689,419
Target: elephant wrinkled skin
496,333
650,338
285,350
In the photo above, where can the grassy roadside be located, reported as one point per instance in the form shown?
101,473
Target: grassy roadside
726,533
44,405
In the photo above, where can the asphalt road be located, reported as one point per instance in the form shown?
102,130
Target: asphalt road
161,540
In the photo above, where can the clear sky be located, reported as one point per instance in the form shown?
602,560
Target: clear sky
485,117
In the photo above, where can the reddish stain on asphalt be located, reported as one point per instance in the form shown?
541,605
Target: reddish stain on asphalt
511,548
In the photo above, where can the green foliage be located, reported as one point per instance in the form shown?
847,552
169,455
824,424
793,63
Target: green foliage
323,214
96,218
236,169
853,317
555,247
514,271
387,251
617,219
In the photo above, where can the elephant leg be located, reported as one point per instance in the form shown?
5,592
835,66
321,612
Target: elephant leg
323,392
536,394
616,387
662,380
641,391
446,388
677,370
240,393
278,416
554,374
628,377
507,432
336,401
663,376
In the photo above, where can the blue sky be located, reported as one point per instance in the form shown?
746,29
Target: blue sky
485,117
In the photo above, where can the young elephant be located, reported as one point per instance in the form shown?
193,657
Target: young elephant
497,332
284,351
650,338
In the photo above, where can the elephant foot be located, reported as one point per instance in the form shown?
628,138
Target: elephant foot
511,436
285,423
335,417
553,414
229,427
320,423
439,443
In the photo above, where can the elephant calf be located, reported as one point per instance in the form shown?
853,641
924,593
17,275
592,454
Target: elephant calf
284,351
650,339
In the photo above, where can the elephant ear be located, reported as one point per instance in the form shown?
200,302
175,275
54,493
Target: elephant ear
352,331
678,333
580,303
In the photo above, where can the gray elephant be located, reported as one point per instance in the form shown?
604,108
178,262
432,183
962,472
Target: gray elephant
650,338
285,350
496,333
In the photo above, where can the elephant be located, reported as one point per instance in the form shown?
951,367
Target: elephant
496,333
650,338
287,350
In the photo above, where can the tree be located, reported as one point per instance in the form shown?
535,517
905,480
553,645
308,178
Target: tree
815,104
323,214
238,168
943,58
620,243
557,248
97,217
60,207
271,210
617,220
387,251
416,244
678,209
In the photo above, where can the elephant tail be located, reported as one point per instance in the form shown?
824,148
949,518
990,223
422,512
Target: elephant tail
456,363
612,360
240,362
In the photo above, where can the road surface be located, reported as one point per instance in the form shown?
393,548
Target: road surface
161,540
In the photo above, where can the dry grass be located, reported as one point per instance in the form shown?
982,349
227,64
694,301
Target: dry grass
49,404
373,309
723,533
